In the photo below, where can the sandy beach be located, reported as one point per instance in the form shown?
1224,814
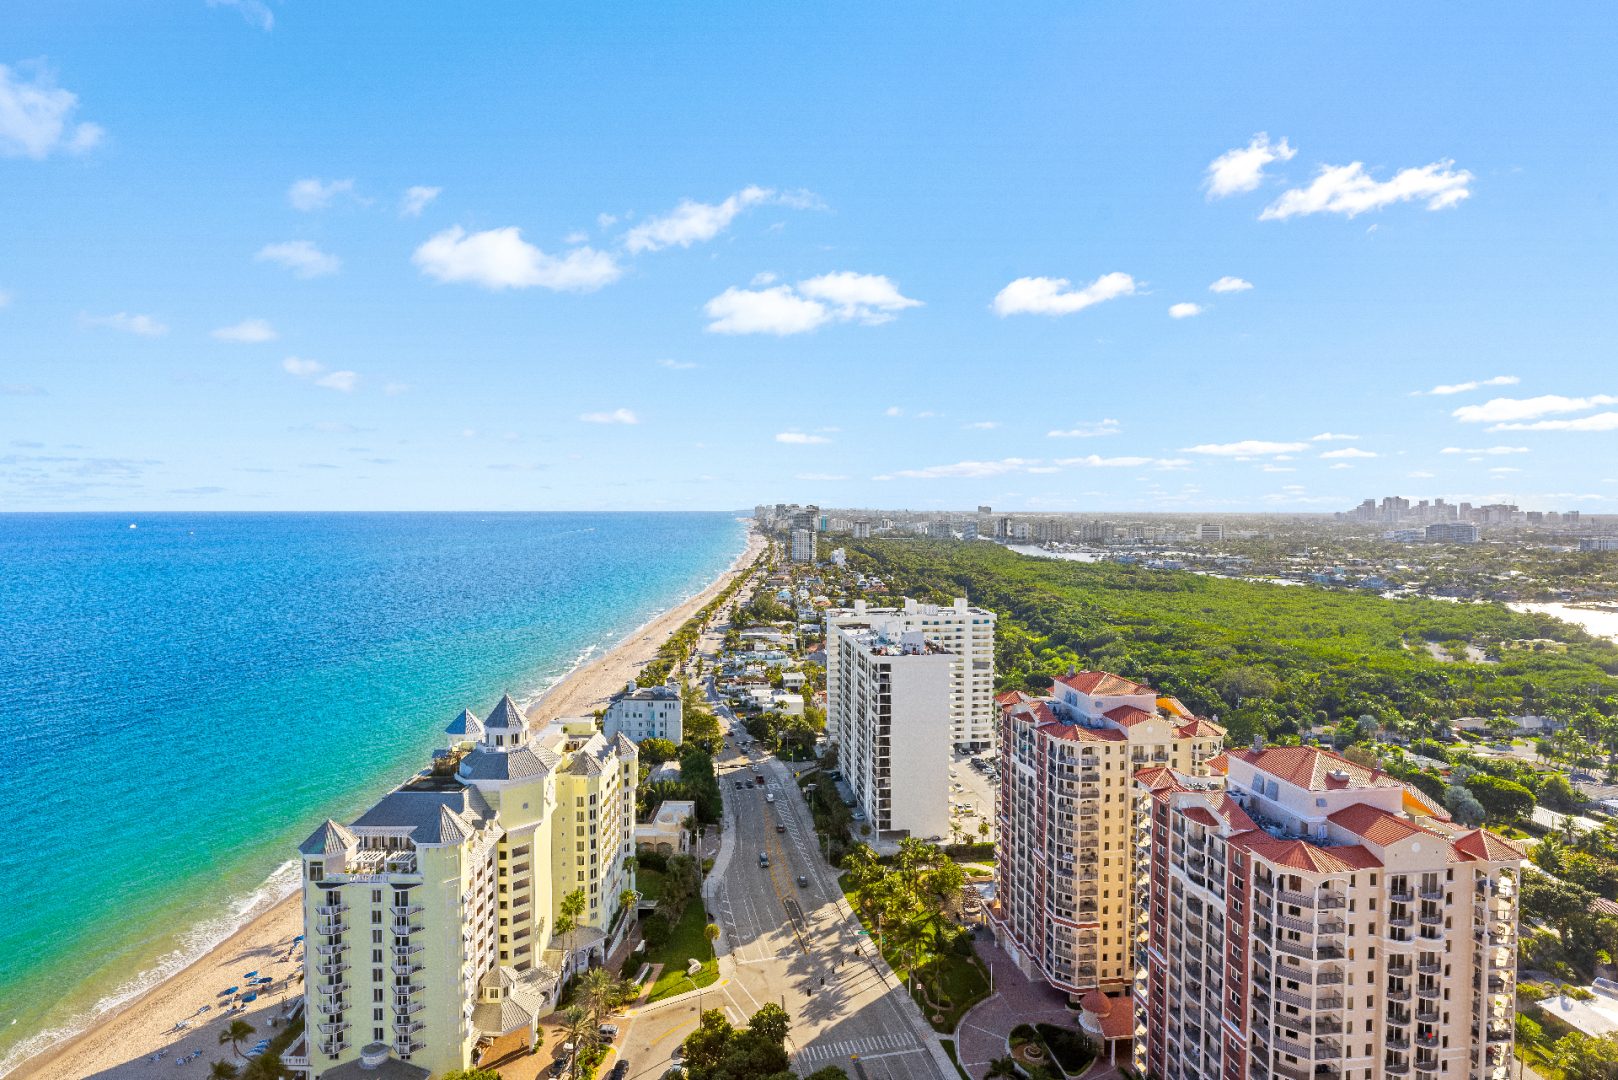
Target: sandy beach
123,1044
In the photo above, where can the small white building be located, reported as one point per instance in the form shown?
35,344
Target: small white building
645,712
792,680
666,833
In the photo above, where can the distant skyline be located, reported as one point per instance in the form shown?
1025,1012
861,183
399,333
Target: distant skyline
283,255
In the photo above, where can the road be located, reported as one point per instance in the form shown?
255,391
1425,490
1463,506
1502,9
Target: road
795,945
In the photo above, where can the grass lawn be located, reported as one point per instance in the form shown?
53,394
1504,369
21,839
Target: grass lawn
685,942
953,983
650,884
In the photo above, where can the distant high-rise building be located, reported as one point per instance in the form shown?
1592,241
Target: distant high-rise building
645,712
803,545
1210,532
966,632
1452,533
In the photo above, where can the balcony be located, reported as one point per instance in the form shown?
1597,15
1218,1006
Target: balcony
1431,993
330,927
405,1030
331,990
331,967
401,952
327,911
1400,970
334,948
334,1047
404,927
333,1029
404,911
405,968
409,1009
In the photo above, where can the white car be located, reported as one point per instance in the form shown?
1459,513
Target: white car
769,798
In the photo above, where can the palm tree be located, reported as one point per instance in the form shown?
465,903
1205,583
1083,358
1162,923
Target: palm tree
627,899
579,1029
597,990
711,932
222,1070
567,923
235,1033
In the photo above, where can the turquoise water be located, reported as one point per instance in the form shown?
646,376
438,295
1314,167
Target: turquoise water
186,699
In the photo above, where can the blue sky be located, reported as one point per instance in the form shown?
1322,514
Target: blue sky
298,255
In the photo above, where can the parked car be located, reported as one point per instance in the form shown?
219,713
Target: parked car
770,797
608,1031
803,881
780,828
763,858
619,1070
558,1067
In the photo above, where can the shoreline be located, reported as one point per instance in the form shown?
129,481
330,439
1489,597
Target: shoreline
119,1042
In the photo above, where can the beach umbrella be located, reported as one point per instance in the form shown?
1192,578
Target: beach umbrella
249,997
251,974
229,990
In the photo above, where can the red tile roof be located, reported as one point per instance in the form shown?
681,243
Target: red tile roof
1114,1016
1176,706
1312,768
1158,778
1199,728
1219,764
1302,855
1484,846
1102,683
1078,733
1011,697
1202,816
1376,825
1128,715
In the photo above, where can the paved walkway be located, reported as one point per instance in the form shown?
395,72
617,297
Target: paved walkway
986,1028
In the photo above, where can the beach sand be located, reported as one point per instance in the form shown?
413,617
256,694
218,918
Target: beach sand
121,1044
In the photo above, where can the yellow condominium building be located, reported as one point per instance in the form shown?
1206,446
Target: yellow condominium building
1311,917
1064,864
430,919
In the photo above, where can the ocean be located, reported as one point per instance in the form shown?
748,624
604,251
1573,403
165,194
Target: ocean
187,695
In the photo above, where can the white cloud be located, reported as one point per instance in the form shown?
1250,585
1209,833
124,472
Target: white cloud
1333,436
312,193
616,416
982,425
1348,452
820,476
763,277
677,365
1277,468
36,115
1247,448
256,12
870,299
577,236
1228,284
893,410
301,257
1185,310
1493,450
1242,169
302,368
777,310
124,322
606,221
1501,469
1505,410
1607,421
1108,426
1342,465
1350,191
502,259
799,438
692,222
416,198
1056,296
1422,475
5,298
247,332
970,470
339,380
1464,387
394,389
866,298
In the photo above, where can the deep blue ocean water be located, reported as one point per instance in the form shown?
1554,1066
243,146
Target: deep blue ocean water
185,700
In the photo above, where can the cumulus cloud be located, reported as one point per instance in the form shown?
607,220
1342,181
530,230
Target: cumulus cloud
416,198
124,322
783,310
1333,436
799,438
820,476
982,425
1242,169
312,193
893,410
867,298
971,470
1348,452
247,332
36,115
1489,450
1096,461
692,222
1108,426
302,257
977,470
1349,190
1463,387
1510,410
1185,310
616,416
1228,284
314,371
1247,448
1056,296
502,259
1606,421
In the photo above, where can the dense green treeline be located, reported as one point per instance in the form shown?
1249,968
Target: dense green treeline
1261,657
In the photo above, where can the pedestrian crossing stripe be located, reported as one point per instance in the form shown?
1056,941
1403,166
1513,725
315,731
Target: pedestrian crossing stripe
845,1048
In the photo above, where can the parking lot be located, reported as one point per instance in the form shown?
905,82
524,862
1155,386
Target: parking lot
974,788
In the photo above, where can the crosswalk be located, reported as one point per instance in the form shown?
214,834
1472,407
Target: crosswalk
875,1044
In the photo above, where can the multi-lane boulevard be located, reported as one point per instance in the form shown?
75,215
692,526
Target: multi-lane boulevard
797,945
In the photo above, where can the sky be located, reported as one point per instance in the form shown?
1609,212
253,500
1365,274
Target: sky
1189,257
